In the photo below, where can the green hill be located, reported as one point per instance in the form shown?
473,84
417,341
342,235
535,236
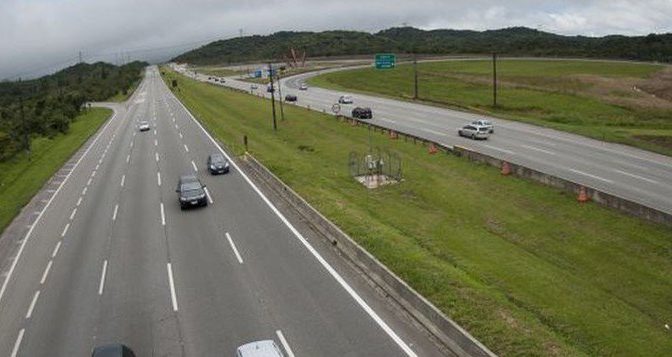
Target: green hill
515,41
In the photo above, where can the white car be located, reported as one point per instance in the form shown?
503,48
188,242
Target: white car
474,131
485,123
303,86
143,126
266,348
345,99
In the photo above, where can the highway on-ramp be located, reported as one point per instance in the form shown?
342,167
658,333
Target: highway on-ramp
634,174
112,258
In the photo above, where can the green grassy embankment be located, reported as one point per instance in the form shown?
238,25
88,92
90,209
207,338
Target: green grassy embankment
613,101
523,267
21,179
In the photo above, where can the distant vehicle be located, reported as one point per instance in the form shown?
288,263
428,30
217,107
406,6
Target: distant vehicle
485,123
345,99
217,164
190,192
290,98
253,86
265,348
303,86
222,80
112,350
474,131
270,89
362,113
143,126
216,79
209,78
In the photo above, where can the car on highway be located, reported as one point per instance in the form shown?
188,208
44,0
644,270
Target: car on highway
345,99
191,192
270,89
265,348
474,131
253,86
362,113
217,164
290,98
486,123
112,350
303,86
143,126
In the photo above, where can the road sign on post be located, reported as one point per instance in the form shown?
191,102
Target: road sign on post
385,60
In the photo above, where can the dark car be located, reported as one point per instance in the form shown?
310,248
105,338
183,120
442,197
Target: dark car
290,98
362,113
270,89
217,164
112,350
190,192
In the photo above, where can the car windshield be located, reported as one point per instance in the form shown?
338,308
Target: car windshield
217,159
191,186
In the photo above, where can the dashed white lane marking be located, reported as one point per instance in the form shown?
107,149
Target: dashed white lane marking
79,202
131,145
163,216
114,214
156,142
123,179
499,149
97,166
538,149
433,132
128,158
186,148
156,156
65,229
233,247
158,178
32,304
284,343
84,191
56,248
589,175
194,165
101,285
636,176
46,272
74,212
173,295
154,131
177,127
181,137
88,183
17,344
207,193
100,161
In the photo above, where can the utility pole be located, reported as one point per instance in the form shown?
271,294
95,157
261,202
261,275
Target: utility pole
494,80
282,112
270,75
415,76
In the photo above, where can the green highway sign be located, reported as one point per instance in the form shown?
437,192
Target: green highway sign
385,60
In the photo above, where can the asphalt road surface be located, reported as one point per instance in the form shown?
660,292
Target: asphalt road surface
112,258
637,175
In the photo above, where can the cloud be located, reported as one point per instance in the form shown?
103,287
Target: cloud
43,35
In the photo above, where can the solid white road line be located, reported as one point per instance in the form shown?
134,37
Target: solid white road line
101,286
589,175
207,193
284,343
123,179
233,246
538,149
186,148
32,304
79,202
194,165
158,178
156,156
56,248
65,229
17,344
46,272
163,216
374,316
499,149
114,214
636,176
74,212
173,295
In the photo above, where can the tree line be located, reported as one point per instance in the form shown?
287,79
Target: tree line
46,106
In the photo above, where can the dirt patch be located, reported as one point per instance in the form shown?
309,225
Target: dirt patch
664,141
660,84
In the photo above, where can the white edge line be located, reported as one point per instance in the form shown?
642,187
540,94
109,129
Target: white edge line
32,304
163,215
17,344
233,246
101,286
173,295
207,193
383,325
284,343
46,272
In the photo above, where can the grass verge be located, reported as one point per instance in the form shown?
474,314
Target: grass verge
523,267
603,100
21,178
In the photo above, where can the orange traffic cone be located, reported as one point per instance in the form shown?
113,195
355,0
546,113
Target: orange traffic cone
583,196
506,168
393,134
432,149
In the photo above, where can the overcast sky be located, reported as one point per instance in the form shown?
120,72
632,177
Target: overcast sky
38,36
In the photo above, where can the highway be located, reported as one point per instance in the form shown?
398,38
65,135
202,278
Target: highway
623,171
112,258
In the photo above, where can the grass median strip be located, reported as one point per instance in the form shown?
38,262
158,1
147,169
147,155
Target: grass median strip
21,178
523,267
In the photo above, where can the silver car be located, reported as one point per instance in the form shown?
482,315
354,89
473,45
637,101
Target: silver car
485,123
345,99
265,348
474,131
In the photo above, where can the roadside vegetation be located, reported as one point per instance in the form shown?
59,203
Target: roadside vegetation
620,102
523,267
22,177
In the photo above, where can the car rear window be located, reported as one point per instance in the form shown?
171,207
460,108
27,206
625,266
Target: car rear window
482,129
